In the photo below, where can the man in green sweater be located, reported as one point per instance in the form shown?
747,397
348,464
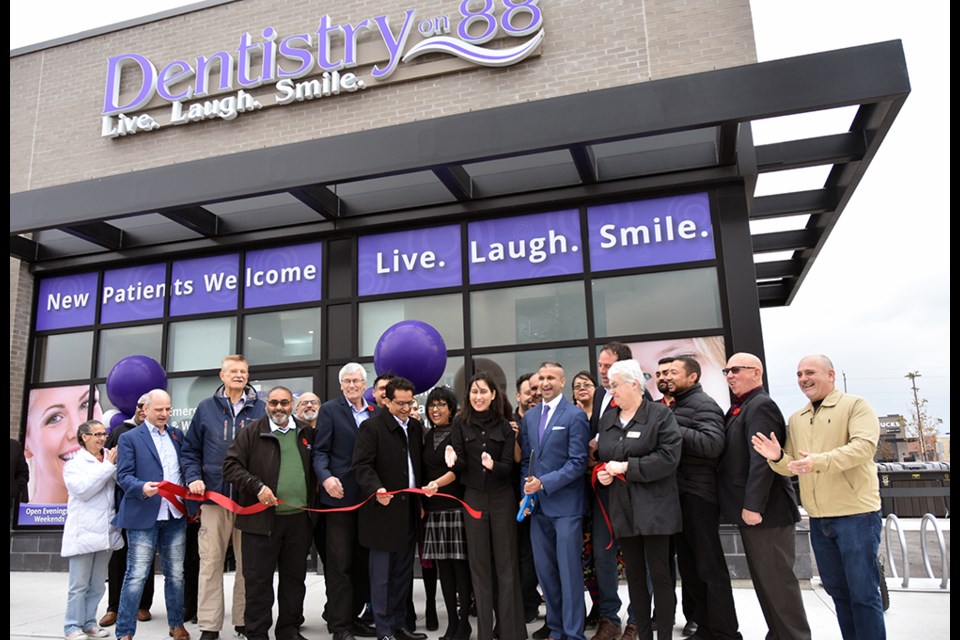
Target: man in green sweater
269,463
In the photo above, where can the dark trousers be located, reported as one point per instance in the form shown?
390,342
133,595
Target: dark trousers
191,571
285,551
771,553
391,581
528,572
492,552
320,539
345,573
703,568
115,572
641,553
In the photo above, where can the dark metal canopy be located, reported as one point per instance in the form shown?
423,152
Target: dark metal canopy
686,132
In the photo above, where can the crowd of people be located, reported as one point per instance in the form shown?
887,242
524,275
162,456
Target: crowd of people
611,479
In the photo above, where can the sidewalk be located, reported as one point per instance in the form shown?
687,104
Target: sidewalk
38,601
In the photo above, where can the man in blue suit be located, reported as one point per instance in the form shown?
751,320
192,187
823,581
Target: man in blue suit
147,455
346,571
554,438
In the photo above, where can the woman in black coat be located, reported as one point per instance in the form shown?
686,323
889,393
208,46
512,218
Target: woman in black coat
445,538
481,454
640,443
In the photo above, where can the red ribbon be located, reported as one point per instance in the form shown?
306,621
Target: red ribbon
172,491
593,483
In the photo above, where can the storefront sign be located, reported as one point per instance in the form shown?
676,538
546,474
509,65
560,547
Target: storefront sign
535,246
310,65
409,261
280,275
67,301
284,275
650,232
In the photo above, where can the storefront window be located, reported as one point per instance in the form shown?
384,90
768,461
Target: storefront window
505,368
685,300
201,344
523,315
65,356
444,313
117,344
186,394
282,336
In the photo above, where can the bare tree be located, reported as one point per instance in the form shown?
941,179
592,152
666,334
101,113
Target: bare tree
922,426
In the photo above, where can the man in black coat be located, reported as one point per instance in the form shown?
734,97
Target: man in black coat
387,457
269,462
700,559
760,502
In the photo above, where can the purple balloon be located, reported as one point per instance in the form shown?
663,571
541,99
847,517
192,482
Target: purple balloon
116,420
414,350
368,396
131,378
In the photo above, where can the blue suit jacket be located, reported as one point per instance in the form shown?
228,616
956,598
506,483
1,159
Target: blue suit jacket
560,460
138,463
333,451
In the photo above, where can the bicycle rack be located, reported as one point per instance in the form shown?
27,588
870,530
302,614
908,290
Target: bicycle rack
893,522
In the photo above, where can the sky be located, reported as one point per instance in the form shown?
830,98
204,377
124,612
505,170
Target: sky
877,299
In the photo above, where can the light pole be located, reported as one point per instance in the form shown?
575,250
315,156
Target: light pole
913,375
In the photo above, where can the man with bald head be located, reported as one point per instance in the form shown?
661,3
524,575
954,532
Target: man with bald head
830,444
761,503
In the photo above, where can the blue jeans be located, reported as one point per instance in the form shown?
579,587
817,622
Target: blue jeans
88,574
605,566
846,550
170,538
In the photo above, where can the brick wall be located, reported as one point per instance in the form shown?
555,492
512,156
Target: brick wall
58,92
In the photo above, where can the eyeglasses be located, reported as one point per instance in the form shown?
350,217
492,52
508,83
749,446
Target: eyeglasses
352,381
404,403
281,403
98,434
438,406
583,387
306,402
735,370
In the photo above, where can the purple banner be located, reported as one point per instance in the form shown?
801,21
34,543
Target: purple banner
204,285
650,232
34,515
409,261
135,293
67,301
535,246
284,275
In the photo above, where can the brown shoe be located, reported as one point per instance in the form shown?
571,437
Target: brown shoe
109,619
607,630
179,633
143,615
629,632
126,638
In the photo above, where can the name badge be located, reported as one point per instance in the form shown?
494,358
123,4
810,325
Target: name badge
633,434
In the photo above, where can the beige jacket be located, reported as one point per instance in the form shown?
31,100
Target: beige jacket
842,435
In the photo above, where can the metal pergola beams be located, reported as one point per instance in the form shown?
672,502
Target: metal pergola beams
195,218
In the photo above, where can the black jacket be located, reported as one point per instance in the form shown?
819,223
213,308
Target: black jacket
648,502
253,460
380,460
746,480
701,425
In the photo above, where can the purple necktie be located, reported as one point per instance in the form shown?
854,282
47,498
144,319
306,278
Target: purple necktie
543,419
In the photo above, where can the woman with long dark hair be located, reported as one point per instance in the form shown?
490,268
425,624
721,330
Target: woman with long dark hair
481,453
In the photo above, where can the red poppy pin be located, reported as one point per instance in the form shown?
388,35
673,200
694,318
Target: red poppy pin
173,434
736,411
613,402
370,408
304,440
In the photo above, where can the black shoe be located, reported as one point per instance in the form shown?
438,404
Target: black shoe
689,629
542,633
241,630
464,630
530,616
593,618
403,634
209,635
343,635
432,623
366,616
363,630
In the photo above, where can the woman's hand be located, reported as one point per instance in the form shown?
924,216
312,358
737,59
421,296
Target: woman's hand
431,488
110,455
450,456
487,461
